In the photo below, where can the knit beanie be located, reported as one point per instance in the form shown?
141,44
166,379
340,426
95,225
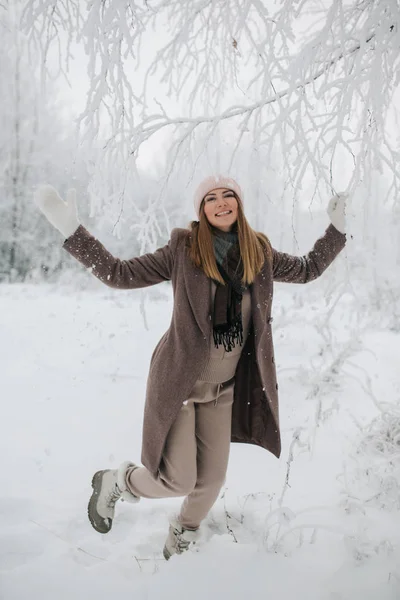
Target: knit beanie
212,183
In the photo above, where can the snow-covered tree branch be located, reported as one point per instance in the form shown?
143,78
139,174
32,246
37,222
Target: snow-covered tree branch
314,85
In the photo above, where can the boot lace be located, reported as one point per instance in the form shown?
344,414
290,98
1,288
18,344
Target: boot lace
182,544
113,496
184,539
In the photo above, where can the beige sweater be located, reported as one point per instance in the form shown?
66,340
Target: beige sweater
221,365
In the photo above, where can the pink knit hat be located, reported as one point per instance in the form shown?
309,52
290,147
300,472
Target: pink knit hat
212,183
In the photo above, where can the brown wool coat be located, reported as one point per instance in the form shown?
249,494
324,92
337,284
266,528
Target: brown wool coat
181,354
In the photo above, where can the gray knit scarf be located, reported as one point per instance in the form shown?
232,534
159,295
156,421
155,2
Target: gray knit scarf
227,314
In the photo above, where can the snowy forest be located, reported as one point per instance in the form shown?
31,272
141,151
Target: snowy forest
132,103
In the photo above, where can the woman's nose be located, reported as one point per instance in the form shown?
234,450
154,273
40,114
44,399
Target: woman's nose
221,202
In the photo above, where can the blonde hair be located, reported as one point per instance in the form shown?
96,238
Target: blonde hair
255,247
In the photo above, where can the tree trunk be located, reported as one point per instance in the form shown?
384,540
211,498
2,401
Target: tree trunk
15,177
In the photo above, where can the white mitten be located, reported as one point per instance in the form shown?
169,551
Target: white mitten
336,211
62,215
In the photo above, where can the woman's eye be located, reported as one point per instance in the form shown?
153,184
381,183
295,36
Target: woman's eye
213,198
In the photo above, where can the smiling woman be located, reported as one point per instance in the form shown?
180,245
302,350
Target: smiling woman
220,208
212,377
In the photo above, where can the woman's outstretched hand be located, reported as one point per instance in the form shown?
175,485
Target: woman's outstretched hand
336,211
62,215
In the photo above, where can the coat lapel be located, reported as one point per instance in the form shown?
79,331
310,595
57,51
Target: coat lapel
198,287
260,299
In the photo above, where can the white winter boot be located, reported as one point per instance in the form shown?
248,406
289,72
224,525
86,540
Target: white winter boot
179,539
108,487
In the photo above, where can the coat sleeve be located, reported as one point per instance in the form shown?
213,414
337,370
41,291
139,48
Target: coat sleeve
138,272
302,269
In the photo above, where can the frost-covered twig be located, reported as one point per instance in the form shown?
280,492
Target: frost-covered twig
227,517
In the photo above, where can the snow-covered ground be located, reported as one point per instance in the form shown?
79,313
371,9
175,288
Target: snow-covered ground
322,523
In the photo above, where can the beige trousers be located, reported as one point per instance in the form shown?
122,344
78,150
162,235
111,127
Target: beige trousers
195,456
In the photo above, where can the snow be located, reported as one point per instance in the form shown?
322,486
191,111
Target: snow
74,366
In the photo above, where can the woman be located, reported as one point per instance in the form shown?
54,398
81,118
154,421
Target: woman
212,376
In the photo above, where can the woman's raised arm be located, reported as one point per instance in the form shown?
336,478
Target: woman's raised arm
138,272
302,269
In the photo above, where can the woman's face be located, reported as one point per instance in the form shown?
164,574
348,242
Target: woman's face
221,208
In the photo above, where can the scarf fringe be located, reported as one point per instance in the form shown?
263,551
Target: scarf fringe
229,338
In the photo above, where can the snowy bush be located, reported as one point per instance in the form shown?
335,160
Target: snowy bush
377,459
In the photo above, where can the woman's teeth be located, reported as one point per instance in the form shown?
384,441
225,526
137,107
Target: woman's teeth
222,214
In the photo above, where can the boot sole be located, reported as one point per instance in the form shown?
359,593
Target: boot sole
96,521
167,555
